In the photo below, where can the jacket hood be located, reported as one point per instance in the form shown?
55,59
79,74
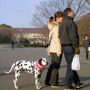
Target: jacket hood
52,24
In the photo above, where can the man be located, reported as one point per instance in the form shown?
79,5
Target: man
86,44
70,46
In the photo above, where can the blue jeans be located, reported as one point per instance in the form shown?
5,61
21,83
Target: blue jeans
71,76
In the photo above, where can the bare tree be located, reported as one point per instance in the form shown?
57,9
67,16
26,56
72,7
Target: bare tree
6,33
48,8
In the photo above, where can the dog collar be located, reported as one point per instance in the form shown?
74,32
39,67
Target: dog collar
39,66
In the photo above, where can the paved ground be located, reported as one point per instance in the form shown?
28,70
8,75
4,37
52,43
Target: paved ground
26,81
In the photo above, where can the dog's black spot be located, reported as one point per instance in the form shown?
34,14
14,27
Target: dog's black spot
25,64
18,71
18,66
18,63
36,68
32,66
26,69
39,75
21,69
29,66
39,70
40,61
26,61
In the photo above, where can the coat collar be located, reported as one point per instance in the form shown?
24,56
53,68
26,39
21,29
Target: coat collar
68,17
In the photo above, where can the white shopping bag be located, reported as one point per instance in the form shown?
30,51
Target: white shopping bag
88,48
75,63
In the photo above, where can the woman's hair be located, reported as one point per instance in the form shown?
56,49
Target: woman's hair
51,19
85,36
58,14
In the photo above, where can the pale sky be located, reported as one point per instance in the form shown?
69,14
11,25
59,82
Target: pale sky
18,13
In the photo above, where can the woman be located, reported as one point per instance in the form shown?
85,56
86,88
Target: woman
54,49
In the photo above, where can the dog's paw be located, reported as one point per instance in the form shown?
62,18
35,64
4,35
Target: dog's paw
16,87
40,87
37,87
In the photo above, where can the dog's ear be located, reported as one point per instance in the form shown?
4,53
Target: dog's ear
40,61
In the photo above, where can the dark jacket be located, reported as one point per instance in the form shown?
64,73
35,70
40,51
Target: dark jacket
86,43
68,32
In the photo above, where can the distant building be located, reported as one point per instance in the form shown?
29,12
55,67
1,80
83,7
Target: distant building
34,35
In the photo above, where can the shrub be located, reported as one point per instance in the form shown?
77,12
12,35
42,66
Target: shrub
32,45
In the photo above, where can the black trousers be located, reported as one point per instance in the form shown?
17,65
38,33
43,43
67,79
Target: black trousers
86,49
52,76
71,76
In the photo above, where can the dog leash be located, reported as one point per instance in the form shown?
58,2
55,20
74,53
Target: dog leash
45,56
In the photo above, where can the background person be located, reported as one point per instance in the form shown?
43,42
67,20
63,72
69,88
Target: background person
86,45
12,44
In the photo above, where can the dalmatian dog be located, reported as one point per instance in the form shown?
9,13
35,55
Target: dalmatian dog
33,67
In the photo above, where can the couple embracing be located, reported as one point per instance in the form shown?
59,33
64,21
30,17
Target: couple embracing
63,38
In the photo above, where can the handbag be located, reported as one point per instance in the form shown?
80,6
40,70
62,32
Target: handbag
75,63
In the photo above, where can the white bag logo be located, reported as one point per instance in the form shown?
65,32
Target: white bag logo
75,63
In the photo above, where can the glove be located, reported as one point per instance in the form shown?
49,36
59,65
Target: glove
77,50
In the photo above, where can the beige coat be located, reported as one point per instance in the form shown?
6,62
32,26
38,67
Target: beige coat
55,45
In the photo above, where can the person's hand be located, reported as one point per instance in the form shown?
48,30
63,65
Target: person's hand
47,45
77,50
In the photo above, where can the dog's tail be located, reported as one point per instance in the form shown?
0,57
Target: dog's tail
10,69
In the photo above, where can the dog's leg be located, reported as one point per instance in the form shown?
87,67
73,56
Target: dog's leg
39,81
36,80
36,83
16,79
